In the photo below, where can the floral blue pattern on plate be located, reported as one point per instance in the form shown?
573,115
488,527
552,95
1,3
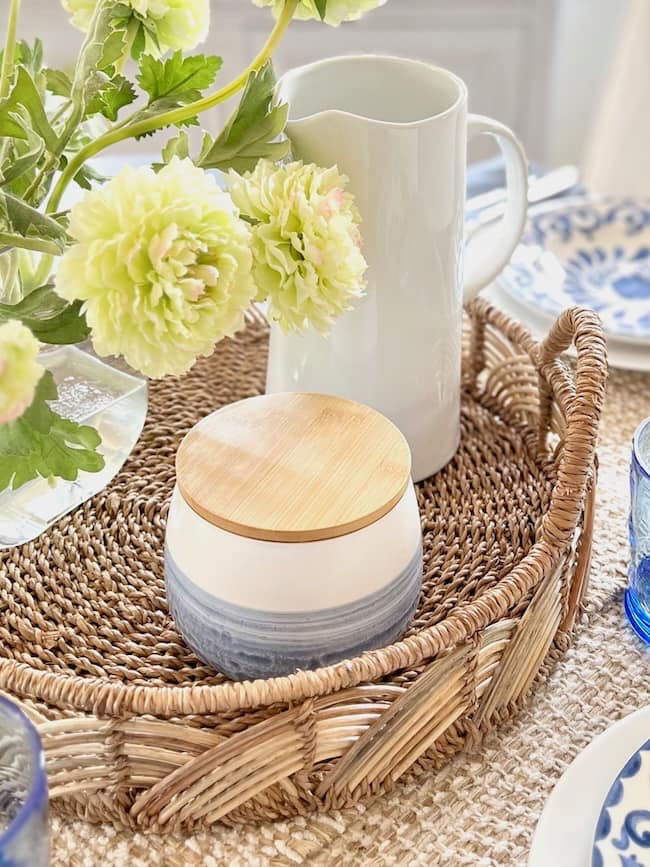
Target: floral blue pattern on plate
589,251
622,836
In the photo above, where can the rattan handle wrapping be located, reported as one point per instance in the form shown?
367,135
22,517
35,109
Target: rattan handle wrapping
573,399
582,399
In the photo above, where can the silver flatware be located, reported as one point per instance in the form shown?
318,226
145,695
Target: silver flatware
489,206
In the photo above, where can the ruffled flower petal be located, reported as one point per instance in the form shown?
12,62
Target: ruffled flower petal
19,370
162,265
178,24
337,11
307,254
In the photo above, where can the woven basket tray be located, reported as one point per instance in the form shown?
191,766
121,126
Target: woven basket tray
138,732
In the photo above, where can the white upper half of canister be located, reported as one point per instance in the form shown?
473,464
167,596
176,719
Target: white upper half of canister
293,576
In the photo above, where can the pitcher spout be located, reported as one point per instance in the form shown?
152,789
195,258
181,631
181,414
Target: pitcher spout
371,89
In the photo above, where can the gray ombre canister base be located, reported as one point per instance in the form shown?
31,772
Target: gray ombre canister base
246,643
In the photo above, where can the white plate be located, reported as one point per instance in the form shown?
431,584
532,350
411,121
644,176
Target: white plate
565,832
622,834
587,250
628,356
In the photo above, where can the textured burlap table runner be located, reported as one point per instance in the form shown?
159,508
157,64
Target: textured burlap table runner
481,809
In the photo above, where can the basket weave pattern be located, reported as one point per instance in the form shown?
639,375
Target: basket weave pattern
138,732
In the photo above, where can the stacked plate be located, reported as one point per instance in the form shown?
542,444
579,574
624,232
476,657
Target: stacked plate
598,815
586,250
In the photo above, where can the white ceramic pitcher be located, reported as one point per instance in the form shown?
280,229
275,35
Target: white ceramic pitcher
398,128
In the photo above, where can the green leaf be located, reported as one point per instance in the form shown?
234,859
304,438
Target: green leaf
19,221
104,45
174,82
161,108
108,101
177,147
26,156
138,44
58,82
87,132
30,57
150,41
251,132
11,123
321,8
25,94
87,176
275,151
48,316
11,284
42,443
178,77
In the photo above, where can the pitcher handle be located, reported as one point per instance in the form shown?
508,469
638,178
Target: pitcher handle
490,249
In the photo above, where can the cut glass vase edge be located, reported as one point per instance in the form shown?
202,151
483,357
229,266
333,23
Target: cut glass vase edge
91,392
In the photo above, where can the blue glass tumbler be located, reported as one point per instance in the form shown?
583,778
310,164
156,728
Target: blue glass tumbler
637,595
23,792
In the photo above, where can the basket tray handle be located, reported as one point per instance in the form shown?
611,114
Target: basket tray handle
580,398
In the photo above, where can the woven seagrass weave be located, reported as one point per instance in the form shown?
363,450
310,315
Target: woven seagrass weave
137,731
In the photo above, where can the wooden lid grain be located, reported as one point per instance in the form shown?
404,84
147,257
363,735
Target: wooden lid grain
293,467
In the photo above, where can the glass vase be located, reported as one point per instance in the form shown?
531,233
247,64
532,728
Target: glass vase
93,393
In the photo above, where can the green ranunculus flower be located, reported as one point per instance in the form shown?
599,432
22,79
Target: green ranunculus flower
306,242
178,24
19,370
336,13
162,265
81,12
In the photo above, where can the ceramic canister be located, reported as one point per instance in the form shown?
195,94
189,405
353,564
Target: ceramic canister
293,537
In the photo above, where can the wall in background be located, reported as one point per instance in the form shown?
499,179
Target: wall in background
583,44
501,48
537,65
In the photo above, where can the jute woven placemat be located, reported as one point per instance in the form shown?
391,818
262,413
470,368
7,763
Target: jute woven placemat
481,809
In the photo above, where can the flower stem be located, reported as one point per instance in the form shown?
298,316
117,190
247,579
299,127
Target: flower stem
9,55
129,130
61,110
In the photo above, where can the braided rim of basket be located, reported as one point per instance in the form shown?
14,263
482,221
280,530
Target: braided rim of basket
580,400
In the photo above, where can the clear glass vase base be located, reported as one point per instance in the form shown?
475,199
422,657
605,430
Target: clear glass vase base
90,392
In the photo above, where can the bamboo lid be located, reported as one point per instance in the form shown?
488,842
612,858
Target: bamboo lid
293,467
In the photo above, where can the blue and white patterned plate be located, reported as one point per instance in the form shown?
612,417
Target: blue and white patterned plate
589,251
564,836
623,831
